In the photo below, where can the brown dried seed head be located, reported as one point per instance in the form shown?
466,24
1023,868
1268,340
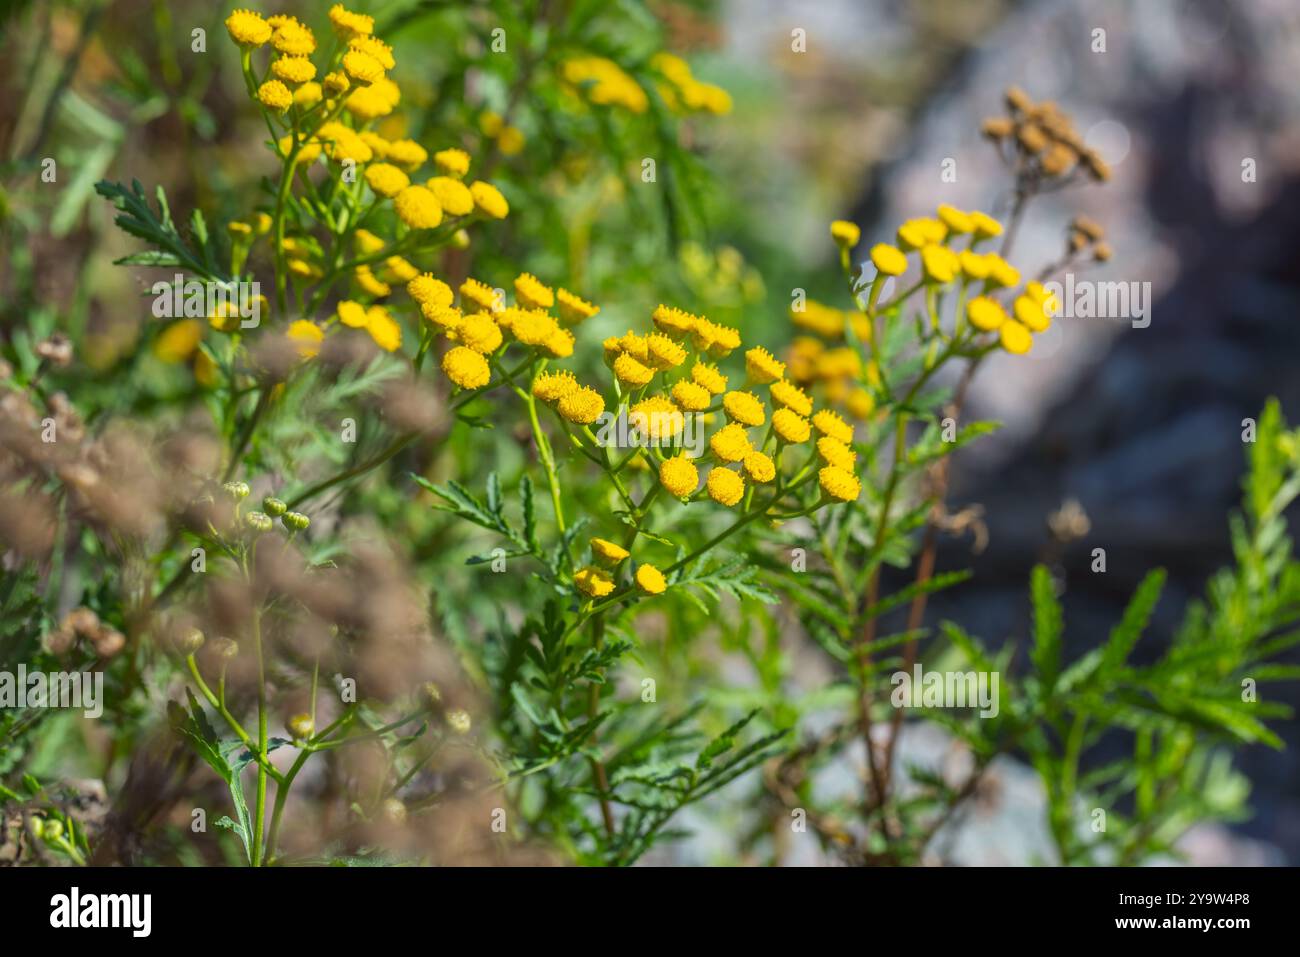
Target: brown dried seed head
997,128
1089,227
1017,100
1032,139
1101,252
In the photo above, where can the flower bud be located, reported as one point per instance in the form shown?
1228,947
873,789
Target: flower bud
108,642
295,521
432,696
38,827
301,727
394,811
259,521
224,648
460,239
189,641
273,506
236,490
459,721
52,830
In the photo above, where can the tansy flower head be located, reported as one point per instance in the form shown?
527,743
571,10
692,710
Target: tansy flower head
343,143
690,395
731,443
918,233
759,467
386,180
1015,337
574,309
308,95
986,227
336,82
430,292
533,327
559,344
679,476
790,427
834,452
352,314
725,486
957,221
418,208
744,407
662,352
702,373
553,386
792,397
657,418
407,154
973,265
452,194
845,234
400,269
347,24
378,145
607,552
673,322
593,582
293,39
293,69
454,162
307,336
1032,313
532,293
939,263
860,403
274,95
448,318
480,333
466,368
362,67
370,283
374,48
650,579
985,314
478,296
1002,272
889,260
635,346
488,200
717,340
247,28
828,422
582,406
839,484
383,328
631,371
762,367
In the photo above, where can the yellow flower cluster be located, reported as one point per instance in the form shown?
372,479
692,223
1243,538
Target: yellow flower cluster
682,92
598,579
604,83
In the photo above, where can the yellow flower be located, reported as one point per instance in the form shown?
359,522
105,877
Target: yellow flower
839,483
452,161
376,48
957,221
1015,338
352,314
673,322
401,269
939,263
759,467
554,386
452,194
418,208
662,352
635,346
889,260
370,283
480,333
860,403
985,225
762,367
478,296
573,309
274,95
717,340
560,343
702,373
247,28
336,82
466,368
348,24
690,396
362,67
834,452
383,328
307,336
532,293
368,103
489,200
918,233
378,145
293,39
632,372
343,143
1002,272
607,552
973,265
386,179
744,407
845,234
1032,313
725,486
593,582
679,476
731,443
985,313
308,95
293,69
828,422
657,418
582,406
448,318
792,397
790,426
408,154
650,579
533,327
178,341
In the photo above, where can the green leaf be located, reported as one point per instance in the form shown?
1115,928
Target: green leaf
1046,653
1134,621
